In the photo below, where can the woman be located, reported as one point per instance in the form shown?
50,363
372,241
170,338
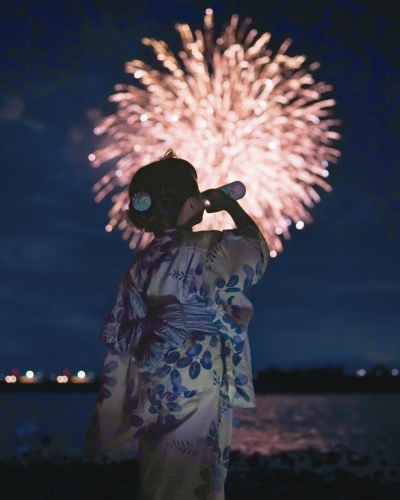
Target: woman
178,354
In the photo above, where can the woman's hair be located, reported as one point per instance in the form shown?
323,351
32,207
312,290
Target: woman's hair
170,182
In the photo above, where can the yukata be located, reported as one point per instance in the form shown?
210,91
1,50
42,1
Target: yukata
178,359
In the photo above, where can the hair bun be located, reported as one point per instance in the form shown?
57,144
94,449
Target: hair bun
170,153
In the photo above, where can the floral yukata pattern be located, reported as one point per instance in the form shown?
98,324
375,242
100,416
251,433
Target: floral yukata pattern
178,359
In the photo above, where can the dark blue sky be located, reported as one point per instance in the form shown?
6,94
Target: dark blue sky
329,298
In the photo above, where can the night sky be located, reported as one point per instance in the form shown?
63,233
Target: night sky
330,297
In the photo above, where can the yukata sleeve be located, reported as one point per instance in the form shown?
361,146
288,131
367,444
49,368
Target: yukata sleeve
234,263
239,256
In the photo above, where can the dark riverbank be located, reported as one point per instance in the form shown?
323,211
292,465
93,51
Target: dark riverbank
287,476
331,380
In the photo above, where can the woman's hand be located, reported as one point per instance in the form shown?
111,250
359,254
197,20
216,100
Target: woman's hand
216,200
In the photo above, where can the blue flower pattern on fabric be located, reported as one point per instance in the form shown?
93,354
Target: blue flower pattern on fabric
206,271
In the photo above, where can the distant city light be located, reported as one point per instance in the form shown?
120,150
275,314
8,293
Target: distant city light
62,379
395,372
11,379
81,374
29,374
361,373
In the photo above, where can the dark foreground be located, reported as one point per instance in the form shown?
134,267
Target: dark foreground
249,478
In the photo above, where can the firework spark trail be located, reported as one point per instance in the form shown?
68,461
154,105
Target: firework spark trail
235,112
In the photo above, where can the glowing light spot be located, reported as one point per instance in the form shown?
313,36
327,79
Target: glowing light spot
361,373
273,254
161,57
210,111
81,374
395,372
118,173
269,83
137,147
247,129
96,131
288,222
137,74
29,374
262,104
174,118
324,163
11,379
300,224
109,228
272,145
209,12
278,230
143,118
91,157
325,173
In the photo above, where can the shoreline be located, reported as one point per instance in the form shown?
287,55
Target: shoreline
339,474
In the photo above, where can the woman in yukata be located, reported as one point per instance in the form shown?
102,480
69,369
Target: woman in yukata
178,356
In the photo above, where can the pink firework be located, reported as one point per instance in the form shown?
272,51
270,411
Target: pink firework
236,112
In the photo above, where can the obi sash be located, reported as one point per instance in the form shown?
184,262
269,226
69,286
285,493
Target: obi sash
147,331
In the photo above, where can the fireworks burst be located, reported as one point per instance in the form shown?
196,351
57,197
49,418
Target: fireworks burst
236,113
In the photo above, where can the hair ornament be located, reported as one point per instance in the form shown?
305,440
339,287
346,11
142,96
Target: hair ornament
141,202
